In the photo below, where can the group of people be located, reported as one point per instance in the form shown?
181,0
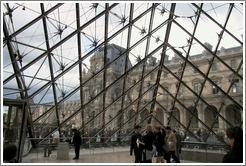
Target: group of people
156,137
142,145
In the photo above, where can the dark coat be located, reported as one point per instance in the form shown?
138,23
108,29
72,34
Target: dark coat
76,138
148,139
159,142
137,149
178,138
233,156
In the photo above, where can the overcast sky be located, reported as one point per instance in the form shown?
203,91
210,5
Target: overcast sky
207,31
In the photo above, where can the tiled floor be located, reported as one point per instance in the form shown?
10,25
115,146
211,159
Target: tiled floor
117,157
100,155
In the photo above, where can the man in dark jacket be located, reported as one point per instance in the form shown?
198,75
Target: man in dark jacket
76,140
135,146
178,144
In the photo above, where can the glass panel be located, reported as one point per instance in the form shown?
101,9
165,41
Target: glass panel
106,67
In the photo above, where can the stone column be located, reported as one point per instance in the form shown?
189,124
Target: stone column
182,117
222,124
165,118
201,116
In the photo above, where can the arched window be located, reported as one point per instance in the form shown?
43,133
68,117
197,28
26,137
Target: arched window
237,116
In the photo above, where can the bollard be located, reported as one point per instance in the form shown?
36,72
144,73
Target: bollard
47,151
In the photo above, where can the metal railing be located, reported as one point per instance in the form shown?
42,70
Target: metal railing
98,146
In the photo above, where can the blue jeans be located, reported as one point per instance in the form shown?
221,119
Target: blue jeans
154,151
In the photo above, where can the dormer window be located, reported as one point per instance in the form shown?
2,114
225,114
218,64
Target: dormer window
179,71
197,87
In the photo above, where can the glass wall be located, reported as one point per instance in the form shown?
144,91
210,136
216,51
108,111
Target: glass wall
105,67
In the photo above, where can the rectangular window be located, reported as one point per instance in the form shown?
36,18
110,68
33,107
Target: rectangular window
86,97
151,76
181,91
151,93
196,70
139,77
236,86
234,63
215,89
97,91
165,75
214,67
197,87
165,91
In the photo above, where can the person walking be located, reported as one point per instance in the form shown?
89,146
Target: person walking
171,140
76,141
147,143
135,147
178,144
159,142
235,139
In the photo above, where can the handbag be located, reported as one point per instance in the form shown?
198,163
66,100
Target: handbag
165,147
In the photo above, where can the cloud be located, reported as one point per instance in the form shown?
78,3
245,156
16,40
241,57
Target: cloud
67,53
